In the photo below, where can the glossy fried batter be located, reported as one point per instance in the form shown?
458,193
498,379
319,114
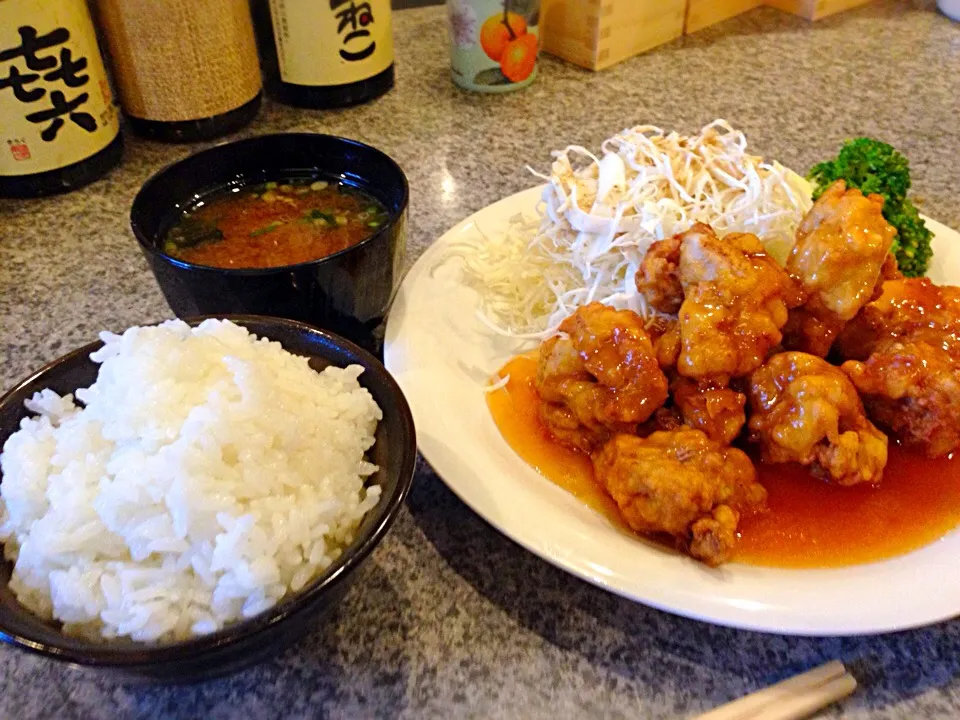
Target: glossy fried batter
807,411
912,389
602,376
903,355
842,246
616,349
732,300
682,483
907,308
736,301
717,411
665,334
571,400
659,276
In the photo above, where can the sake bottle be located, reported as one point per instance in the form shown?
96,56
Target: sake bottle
185,70
59,127
325,54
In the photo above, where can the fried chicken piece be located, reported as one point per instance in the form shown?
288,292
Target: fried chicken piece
571,400
561,379
558,368
732,300
907,308
667,346
736,301
659,275
912,389
665,333
842,245
682,483
574,423
903,355
805,410
601,377
616,350
717,411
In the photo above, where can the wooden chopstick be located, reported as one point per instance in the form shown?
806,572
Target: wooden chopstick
791,699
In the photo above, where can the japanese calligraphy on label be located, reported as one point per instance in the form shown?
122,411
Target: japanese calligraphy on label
332,42
56,107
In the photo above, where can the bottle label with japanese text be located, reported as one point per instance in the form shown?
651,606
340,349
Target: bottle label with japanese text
331,42
56,107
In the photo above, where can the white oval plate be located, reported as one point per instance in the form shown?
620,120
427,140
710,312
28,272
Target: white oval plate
443,357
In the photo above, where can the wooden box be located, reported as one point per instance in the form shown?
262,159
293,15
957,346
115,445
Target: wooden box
703,13
815,9
599,33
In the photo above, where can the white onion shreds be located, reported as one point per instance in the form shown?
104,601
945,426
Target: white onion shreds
596,225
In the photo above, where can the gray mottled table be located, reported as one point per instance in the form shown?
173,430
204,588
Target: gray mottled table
449,618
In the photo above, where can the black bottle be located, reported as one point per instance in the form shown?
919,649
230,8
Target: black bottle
59,128
325,54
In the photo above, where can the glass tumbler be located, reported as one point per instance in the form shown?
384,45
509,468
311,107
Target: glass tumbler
494,43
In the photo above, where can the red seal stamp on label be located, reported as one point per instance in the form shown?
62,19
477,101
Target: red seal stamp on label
20,151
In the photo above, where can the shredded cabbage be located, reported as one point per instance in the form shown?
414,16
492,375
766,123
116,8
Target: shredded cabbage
599,215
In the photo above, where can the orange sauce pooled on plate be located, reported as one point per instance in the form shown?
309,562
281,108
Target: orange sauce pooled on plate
809,523
515,410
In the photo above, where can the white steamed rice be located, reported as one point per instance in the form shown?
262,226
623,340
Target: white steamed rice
208,475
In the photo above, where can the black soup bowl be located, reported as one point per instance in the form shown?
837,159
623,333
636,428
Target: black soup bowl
254,639
348,292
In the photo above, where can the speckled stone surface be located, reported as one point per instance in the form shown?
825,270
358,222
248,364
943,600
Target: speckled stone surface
450,619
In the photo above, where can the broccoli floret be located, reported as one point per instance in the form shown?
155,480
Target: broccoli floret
872,166
912,245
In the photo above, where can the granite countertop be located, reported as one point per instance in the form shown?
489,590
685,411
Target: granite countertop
449,618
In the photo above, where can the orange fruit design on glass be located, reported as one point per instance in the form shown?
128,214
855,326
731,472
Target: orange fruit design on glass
504,38
495,35
519,58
